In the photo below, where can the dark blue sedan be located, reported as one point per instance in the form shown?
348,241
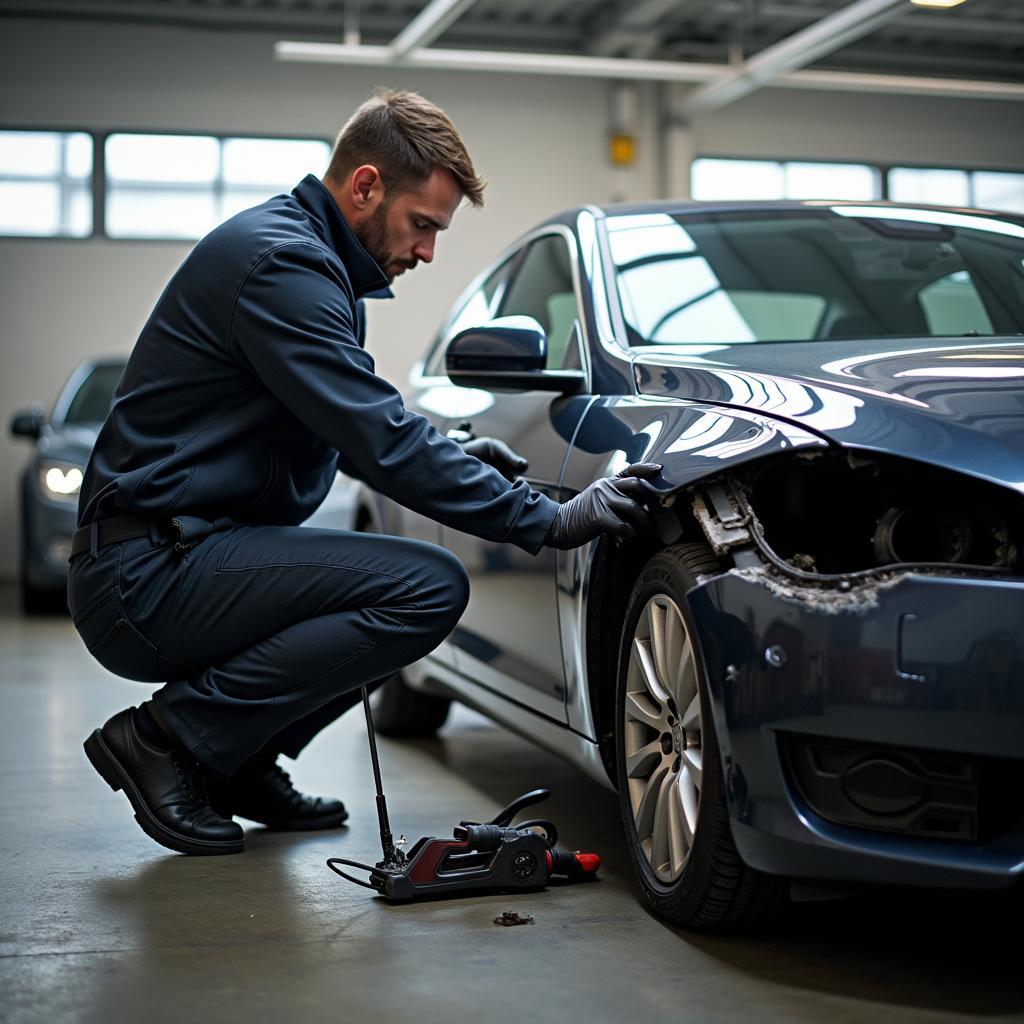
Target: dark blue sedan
52,478
813,668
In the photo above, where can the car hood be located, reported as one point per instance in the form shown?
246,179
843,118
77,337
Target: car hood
947,402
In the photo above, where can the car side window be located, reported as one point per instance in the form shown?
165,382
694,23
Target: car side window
952,305
479,307
543,289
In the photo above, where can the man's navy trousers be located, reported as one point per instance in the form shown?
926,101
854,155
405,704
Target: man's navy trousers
248,389
265,633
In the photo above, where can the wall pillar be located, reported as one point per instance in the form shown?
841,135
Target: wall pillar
677,143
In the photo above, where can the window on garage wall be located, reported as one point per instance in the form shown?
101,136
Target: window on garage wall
46,184
930,185
993,190
997,190
182,186
726,178
783,179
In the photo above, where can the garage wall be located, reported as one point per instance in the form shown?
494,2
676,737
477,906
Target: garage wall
540,142
870,127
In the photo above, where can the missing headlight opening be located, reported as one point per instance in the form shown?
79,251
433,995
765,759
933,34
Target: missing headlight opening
840,521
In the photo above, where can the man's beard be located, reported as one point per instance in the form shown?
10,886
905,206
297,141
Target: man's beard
374,236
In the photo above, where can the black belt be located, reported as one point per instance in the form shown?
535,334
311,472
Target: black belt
188,531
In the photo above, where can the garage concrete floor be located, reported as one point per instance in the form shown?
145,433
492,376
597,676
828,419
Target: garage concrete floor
97,923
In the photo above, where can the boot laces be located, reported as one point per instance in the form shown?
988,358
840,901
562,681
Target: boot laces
192,777
284,780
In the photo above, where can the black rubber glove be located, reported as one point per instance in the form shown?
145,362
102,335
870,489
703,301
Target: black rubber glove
611,505
497,454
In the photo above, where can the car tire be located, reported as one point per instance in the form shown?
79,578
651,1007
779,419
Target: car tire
671,784
401,712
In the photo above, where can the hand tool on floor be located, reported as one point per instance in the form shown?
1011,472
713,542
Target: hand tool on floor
493,856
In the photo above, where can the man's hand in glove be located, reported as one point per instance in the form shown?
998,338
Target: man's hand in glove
497,454
612,505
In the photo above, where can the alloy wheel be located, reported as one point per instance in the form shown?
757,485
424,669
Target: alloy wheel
662,732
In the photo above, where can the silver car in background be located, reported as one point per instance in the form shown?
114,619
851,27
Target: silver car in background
52,478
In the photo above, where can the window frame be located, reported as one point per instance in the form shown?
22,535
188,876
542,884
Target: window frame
97,163
693,212
507,261
99,138
512,257
520,258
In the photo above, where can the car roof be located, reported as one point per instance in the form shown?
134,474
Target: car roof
692,206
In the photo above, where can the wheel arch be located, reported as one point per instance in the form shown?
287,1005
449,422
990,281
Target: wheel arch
614,569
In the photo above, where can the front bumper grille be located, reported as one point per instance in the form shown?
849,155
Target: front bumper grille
905,791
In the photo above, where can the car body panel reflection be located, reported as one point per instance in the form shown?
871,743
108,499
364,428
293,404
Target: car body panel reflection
690,440
508,639
885,400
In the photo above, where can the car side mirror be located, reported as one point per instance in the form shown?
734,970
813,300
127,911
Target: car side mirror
28,422
507,354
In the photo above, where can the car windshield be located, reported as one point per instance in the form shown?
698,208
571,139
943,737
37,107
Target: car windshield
91,402
816,273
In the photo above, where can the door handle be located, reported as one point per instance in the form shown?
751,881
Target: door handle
462,433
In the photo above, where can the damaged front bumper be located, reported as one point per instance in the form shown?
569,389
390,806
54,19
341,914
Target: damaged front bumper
871,735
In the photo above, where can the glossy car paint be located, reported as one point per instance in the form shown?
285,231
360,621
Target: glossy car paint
940,401
489,648
923,662
691,440
951,402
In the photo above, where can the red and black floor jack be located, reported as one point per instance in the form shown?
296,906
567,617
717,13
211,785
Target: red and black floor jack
493,857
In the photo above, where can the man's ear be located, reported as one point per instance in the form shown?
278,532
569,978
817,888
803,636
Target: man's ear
366,187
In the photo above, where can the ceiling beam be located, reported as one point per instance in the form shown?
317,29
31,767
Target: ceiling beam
796,51
878,58
637,30
378,24
917,85
430,23
624,68
912,18
500,60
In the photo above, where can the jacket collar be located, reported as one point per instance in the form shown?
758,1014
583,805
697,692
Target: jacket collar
367,278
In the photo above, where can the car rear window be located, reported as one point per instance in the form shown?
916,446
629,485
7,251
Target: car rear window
837,272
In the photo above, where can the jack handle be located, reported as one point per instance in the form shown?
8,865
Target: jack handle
506,814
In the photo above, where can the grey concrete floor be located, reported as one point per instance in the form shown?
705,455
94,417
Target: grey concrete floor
97,923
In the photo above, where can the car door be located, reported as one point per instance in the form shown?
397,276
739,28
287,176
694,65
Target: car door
508,640
431,394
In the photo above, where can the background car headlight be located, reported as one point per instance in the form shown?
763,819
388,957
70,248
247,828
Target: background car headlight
60,480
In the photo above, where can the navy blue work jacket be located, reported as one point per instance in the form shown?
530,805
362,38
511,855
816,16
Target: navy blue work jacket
249,386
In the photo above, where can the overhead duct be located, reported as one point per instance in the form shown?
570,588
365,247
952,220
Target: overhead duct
639,70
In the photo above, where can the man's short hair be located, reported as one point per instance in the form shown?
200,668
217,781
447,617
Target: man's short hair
405,137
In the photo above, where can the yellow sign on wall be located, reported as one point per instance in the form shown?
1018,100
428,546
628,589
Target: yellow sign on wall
622,150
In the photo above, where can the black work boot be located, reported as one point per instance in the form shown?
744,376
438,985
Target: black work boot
262,791
166,788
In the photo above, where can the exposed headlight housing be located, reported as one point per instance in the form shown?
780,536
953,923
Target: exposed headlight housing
60,481
843,512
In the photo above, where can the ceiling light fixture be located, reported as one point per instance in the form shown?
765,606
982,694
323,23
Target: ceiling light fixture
937,3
